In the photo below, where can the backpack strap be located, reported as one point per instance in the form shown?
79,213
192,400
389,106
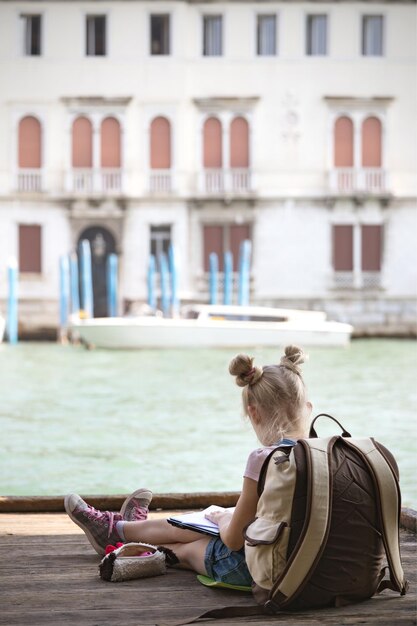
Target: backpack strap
389,507
313,537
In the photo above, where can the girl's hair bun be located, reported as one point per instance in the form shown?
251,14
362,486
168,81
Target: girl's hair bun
293,359
246,373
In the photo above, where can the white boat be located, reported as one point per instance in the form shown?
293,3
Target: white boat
212,326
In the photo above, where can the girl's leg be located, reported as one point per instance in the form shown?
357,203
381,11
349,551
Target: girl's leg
191,555
158,531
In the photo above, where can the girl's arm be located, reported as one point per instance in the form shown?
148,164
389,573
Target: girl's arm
231,525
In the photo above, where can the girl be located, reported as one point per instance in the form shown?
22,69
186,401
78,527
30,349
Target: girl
274,399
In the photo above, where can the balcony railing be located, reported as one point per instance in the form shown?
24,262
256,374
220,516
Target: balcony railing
357,280
349,180
219,181
29,180
160,181
95,181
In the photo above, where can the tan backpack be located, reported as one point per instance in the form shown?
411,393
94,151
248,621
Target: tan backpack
328,513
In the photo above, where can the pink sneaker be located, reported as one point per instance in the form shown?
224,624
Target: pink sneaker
99,526
136,507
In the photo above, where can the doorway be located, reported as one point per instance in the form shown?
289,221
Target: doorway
102,244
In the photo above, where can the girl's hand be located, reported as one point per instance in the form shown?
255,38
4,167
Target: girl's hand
219,517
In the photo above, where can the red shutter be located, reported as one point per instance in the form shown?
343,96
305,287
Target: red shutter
343,248
30,248
239,143
343,142
371,142
110,143
82,143
212,143
238,233
160,144
213,242
30,143
371,247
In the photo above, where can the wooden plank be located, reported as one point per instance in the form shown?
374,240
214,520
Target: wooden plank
49,579
166,501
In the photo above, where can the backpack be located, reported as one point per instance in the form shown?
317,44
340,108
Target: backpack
328,513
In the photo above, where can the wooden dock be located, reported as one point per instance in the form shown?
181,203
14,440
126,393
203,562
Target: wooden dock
49,577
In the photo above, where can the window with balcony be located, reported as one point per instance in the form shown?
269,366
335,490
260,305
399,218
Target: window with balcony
29,176
234,176
32,35
221,238
349,175
372,35
160,156
212,35
160,35
266,35
30,250
96,35
357,255
316,43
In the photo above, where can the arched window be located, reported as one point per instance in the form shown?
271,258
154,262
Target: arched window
371,142
82,143
29,152
212,143
239,143
110,143
343,142
160,156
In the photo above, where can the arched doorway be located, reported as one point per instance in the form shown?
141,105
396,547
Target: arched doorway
102,244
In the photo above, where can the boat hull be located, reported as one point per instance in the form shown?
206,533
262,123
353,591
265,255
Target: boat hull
149,332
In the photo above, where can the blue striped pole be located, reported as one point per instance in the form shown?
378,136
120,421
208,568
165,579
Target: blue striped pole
112,291
86,279
75,294
214,277
244,272
228,278
173,267
151,282
64,295
12,302
163,268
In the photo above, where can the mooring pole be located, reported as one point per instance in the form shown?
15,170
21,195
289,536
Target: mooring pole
244,272
164,273
151,282
214,277
112,291
173,267
74,286
86,279
64,297
12,302
228,278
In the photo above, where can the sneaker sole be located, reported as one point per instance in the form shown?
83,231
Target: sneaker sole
133,495
97,547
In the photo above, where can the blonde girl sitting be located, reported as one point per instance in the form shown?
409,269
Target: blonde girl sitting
274,398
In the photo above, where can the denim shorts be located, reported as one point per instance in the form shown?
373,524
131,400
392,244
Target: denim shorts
226,566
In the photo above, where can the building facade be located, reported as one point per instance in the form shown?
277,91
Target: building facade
136,124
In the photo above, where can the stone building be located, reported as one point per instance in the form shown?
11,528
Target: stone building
139,123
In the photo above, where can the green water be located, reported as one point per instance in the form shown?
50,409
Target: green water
112,421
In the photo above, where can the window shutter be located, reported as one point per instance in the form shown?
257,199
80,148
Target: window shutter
371,142
343,248
213,242
239,143
160,143
212,143
371,247
82,143
29,143
343,142
110,143
238,233
30,248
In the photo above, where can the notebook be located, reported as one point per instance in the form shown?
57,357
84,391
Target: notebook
197,521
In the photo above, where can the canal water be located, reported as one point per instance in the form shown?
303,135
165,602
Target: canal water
105,422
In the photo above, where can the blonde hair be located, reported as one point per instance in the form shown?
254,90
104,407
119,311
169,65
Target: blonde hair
277,392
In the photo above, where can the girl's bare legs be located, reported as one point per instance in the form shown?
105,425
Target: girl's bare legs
158,531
